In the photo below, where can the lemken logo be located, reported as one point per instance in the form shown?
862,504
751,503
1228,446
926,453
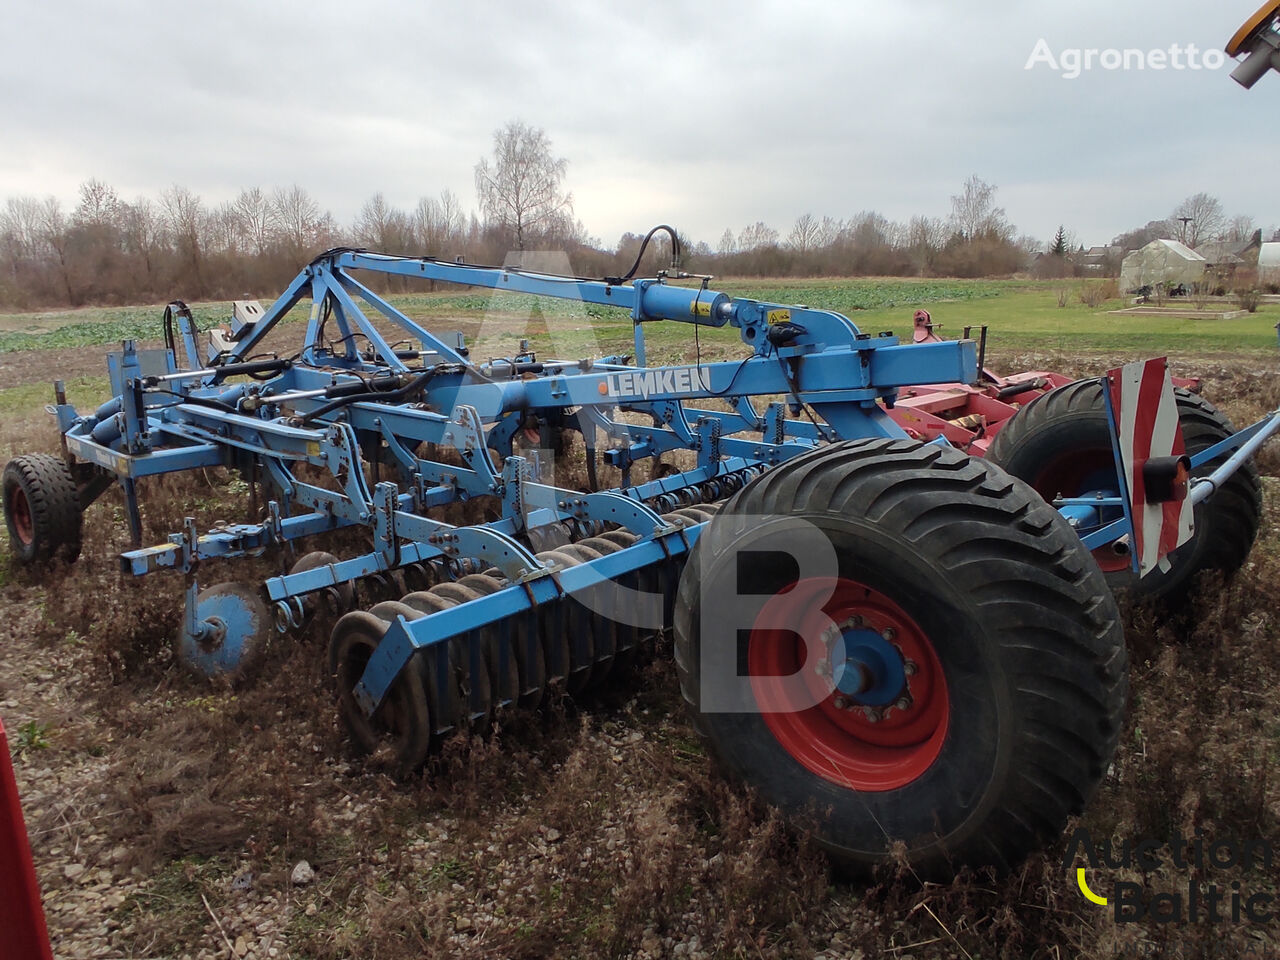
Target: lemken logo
669,380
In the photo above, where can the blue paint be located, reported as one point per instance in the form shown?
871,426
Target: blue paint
269,430
868,668
233,630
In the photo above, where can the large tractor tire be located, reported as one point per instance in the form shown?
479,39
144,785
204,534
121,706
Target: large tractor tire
42,509
1060,444
967,692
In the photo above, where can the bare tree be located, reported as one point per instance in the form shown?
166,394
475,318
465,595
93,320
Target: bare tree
1140,236
383,227
21,226
805,233
221,232
55,232
297,218
757,235
1239,229
520,191
255,219
452,216
438,223
828,231
924,238
1197,219
869,230
183,216
99,206
1030,245
142,234
974,213
728,244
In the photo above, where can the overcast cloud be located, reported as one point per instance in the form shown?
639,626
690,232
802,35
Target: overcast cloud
706,115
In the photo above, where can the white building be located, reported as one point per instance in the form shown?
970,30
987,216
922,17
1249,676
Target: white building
1269,263
1165,262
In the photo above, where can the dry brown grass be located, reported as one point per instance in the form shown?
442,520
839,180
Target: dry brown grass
596,829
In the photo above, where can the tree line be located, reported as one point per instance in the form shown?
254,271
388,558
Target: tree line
109,250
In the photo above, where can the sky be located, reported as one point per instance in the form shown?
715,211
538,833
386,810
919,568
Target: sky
705,115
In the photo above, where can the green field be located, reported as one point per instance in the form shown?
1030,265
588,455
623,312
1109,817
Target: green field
1021,316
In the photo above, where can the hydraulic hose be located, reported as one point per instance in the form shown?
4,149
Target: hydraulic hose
399,393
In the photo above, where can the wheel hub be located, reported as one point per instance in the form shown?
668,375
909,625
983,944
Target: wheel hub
873,711
865,666
212,634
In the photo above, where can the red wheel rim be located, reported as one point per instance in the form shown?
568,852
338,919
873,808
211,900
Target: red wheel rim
1078,472
20,515
822,728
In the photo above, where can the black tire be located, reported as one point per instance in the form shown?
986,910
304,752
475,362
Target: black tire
402,721
1025,632
1049,439
323,607
447,673
42,509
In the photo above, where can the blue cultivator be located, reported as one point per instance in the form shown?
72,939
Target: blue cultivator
904,641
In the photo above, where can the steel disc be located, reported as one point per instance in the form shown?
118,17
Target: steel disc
238,628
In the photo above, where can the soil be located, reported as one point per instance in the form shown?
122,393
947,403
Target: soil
171,817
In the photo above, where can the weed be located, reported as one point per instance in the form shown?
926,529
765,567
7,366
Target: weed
1248,298
32,735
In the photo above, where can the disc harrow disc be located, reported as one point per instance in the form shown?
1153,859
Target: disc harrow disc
237,627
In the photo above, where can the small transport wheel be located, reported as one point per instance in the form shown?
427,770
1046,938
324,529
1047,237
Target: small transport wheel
402,722
906,644
42,509
1060,444
237,627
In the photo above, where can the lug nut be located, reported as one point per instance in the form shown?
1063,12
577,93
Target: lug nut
872,715
909,668
888,633
822,669
842,703
902,703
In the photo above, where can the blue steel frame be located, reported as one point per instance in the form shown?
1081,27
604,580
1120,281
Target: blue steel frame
182,420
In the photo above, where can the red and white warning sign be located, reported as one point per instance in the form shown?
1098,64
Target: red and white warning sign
1151,445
